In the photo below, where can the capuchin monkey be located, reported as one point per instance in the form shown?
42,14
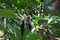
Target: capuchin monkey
27,21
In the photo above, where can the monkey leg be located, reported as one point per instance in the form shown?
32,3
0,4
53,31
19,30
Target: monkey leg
22,28
22,31
30,28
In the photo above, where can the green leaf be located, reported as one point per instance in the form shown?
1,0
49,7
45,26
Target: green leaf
7,13
2,27
18,1
38,1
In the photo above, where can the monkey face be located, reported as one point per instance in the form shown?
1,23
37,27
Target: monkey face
28,19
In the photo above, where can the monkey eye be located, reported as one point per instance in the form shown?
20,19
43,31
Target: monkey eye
28,17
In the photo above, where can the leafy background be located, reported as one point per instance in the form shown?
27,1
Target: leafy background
14,11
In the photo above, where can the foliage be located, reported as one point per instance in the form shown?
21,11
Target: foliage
6,13
16,10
